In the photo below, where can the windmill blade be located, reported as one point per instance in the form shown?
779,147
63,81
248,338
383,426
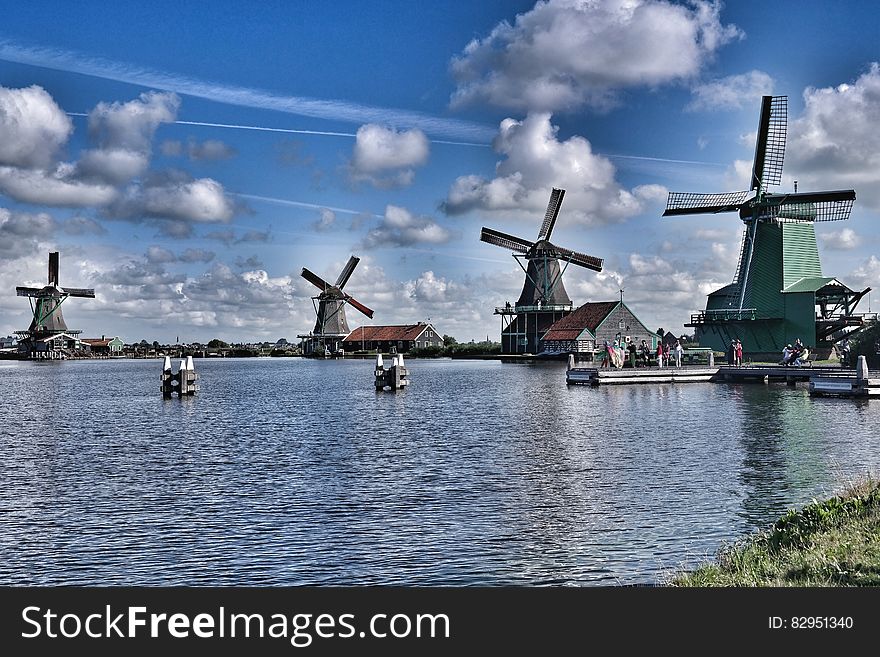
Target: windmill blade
504,240
575,258
315,280
53,268
346,272
79,292
770,145
680,203
357,304
27,291
553,206
810,206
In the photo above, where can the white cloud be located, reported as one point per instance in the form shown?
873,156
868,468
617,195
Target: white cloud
55,188
534,162
835,143
400,227
563,54
203,201
32,127
867,274
732,92
131,125
841,240
114,166
386,157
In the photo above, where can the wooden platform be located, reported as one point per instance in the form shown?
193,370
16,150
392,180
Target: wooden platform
594,376
823,381
844,386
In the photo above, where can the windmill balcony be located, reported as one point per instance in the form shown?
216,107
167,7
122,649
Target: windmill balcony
515,310
713,316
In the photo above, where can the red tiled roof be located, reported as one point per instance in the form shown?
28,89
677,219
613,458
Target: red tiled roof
387,333
97,342
588,316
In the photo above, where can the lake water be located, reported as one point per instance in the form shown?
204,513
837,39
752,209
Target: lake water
294,471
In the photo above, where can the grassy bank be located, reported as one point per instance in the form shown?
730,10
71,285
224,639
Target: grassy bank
831,543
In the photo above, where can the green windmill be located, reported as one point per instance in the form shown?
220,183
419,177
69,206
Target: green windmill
778,293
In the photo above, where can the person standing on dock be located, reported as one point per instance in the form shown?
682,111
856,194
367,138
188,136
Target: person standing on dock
631,348
731,352
739,353
679,351
606,355
660,354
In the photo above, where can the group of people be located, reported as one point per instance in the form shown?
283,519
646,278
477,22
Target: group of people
794,355
735,353
641,354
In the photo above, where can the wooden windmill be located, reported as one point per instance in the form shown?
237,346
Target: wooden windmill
543,299
331,326
778,293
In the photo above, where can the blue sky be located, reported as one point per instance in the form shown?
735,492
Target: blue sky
188,159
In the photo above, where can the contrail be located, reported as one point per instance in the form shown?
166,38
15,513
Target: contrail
324,133
300,204
337,110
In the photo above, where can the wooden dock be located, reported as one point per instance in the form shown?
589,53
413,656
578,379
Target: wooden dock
823,381
857,383
595,376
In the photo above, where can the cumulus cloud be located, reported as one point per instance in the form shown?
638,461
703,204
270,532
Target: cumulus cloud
835,142
867,274
563,54
123,134
55,188
845,239
176,197
534,162
732,92
20,232
33,128
400,227
385,157
131,125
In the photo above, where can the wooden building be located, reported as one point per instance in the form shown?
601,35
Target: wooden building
386,339
585,330
104,346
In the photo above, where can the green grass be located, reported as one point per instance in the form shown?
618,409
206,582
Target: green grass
831,543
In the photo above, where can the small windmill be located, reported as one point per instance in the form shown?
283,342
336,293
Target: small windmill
331,326
48,330
543,299
778,255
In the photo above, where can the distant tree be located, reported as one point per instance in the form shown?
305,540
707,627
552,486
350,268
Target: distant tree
661,332
155,344
218,344
144,343
448,340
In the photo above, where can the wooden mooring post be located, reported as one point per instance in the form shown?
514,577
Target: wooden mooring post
183,382
393,377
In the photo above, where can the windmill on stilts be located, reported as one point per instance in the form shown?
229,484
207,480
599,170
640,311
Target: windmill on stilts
543,299
331,326
778,293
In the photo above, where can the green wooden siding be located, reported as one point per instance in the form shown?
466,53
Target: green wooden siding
765,273
800,318
800,253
